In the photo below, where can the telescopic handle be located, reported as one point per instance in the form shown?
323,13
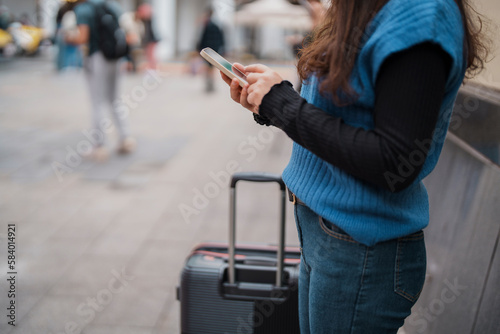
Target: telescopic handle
256,177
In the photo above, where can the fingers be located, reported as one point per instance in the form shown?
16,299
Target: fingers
246,103
240,67
252,98
225,78
239,94
253,77
255,95
243,97
235,91
256,68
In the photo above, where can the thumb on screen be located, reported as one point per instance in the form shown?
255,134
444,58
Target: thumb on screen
240,67
256,68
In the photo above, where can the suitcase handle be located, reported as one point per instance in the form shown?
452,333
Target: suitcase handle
256,177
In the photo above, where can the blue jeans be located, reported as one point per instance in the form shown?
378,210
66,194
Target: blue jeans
347,287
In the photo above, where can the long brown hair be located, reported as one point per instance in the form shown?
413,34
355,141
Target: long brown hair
337,40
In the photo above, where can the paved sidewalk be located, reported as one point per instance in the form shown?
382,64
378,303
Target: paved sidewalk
99,247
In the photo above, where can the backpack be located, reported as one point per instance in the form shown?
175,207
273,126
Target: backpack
111,37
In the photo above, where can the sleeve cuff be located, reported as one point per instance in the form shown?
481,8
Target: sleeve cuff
274,102
261,120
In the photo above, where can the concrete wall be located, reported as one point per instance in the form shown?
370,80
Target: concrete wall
478,120
463,270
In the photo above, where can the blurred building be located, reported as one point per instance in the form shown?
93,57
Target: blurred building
176,21
178,25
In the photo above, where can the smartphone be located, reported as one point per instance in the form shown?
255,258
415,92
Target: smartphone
222,64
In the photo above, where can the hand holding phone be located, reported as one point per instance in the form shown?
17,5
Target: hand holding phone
238,93
248,95
223,65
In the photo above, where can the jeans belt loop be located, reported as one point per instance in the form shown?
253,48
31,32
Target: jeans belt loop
294,199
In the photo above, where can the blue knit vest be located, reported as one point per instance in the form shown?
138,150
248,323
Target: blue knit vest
368,213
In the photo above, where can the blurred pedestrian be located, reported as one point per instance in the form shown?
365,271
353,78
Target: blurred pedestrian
134,29
211,37
380,79
103,79
68,55
149,39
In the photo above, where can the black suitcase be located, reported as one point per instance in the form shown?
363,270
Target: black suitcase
229,289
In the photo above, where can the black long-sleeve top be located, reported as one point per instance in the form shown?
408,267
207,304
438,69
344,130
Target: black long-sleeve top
409,90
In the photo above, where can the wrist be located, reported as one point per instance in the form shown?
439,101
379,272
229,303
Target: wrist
274,104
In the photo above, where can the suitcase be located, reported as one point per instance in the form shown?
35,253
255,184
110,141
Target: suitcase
229,289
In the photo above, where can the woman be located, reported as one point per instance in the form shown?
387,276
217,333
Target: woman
380,79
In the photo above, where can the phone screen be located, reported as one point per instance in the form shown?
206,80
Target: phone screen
225,63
